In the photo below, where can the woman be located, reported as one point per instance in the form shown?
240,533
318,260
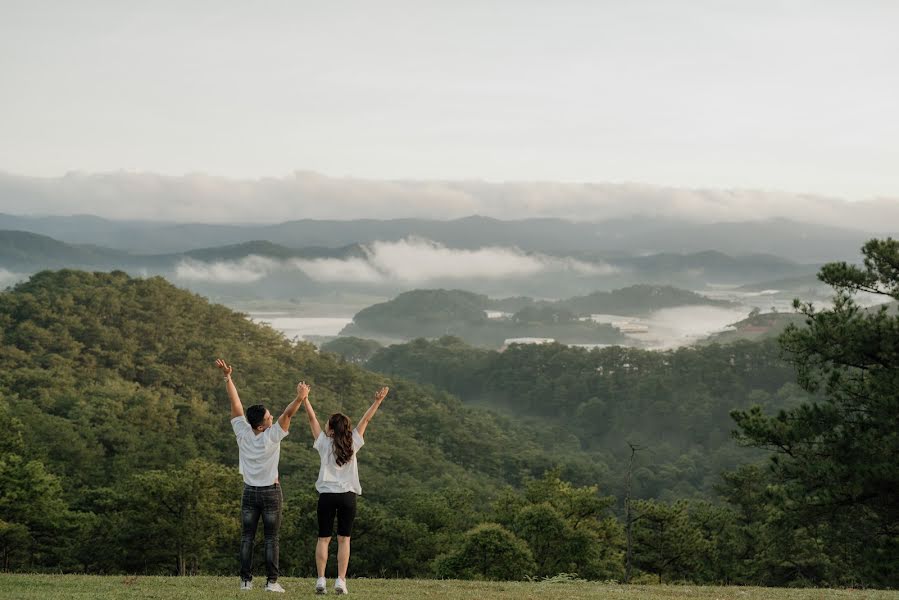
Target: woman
338,485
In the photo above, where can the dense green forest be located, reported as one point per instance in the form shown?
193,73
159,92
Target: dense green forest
676,404
119,457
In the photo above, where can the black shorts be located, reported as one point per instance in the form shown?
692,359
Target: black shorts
344,506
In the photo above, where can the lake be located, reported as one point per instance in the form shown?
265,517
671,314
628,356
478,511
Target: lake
300,327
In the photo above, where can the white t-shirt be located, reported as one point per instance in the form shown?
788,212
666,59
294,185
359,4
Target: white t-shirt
259,454
331,478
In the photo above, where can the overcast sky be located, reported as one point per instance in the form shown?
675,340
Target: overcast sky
797,96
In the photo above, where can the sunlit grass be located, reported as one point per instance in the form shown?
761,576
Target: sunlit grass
65,587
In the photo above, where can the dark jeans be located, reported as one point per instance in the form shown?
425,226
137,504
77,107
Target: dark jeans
265,502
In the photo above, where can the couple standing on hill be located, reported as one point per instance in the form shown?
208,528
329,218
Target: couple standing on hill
259,441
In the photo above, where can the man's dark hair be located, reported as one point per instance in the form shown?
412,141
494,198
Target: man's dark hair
255,415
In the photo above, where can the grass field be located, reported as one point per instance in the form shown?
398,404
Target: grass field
66,587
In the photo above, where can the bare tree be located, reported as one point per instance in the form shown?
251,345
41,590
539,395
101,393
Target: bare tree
627,507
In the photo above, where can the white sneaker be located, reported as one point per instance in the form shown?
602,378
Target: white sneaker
340,587
274,586
246,585
321,586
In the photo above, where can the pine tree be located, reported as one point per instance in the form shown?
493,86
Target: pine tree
834,467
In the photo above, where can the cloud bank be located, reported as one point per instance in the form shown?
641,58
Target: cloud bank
9,278
246,270
411,261
304,195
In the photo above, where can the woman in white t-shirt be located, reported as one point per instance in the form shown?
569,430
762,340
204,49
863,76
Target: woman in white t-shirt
338,485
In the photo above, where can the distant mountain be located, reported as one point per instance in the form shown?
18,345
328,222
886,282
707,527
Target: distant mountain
271,250
31,251
800,242
803,282
278,271
23,251
696,269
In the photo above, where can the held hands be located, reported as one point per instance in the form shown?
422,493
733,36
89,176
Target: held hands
225,367
302,391
381,393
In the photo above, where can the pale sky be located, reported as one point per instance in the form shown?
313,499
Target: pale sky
795,96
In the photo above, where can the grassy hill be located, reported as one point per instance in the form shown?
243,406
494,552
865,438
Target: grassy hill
64,587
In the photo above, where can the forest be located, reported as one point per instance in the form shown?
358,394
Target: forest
768,462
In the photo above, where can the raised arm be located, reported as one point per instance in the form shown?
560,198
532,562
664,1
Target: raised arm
291,410
363,422
313,421
236,406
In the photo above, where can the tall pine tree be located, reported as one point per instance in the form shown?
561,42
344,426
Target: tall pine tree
835,474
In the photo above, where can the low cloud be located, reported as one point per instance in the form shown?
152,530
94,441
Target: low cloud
412,261
416,260
335,269
10,278
245,270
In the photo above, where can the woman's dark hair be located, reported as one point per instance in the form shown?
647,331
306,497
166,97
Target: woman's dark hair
256,415
342,434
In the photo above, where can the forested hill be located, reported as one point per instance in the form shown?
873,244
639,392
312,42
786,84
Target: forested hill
434,313
102,354
638,300
104,377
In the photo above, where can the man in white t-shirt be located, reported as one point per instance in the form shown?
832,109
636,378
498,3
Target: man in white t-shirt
259,443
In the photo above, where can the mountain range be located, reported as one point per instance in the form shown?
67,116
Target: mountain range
799,242
279,271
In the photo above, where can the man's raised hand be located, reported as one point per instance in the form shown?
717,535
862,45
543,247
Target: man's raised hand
225,367
291,410
233,397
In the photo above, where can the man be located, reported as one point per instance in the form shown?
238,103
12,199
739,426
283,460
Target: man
259,442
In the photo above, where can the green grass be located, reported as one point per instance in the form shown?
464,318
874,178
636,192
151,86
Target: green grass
66,587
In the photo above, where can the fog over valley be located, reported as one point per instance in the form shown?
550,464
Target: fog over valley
309,279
